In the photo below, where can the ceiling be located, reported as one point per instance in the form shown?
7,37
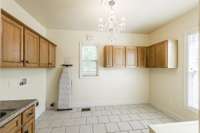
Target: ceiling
142,16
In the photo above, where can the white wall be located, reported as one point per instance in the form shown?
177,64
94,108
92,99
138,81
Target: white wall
37,78
167,86
113,86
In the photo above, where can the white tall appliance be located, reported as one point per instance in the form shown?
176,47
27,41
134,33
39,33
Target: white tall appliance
65,89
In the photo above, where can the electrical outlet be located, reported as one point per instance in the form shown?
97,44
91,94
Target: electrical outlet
23,82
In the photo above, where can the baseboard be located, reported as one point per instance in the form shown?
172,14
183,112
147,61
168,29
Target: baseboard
169,113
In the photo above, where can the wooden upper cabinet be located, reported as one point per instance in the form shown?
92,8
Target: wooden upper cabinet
44,53
151,56
31,49
141,57
52,55
163,54
118,56
131,56
11,48
21,46
108,56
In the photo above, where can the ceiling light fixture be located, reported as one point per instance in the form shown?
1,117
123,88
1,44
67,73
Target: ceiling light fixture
112,24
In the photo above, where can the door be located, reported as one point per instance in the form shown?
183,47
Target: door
161,59
151,56
29,127
108,56
11,51
131,56
44,53
31,49
119,56
52,55
141,57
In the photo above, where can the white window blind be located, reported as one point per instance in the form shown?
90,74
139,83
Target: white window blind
193,70
88,60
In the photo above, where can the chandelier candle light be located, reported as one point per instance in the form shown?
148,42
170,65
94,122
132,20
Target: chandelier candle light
112,24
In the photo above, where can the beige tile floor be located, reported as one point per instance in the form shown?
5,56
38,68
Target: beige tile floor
102,119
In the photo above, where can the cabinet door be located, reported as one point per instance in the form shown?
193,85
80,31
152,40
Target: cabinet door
13,126
108,56
131,57
44,53
161,55
11,49
118,56
151,56
141,56
52,55
31,49
29,127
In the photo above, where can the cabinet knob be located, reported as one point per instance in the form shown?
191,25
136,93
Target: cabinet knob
26,131
27,61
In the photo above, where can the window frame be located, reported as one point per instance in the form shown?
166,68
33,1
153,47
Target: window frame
88,43
185,69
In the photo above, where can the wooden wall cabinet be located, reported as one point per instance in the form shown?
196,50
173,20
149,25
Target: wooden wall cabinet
118,56
163,54
31,49
151,56
108,56
21,46
131,56
11,47
142,57
52,55
160,55
44,53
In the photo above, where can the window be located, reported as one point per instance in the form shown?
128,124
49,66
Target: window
192,70
88,60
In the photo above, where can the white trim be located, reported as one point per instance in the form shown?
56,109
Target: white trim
185,69
88,43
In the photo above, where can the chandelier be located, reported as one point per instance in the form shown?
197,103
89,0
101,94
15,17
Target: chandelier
113,23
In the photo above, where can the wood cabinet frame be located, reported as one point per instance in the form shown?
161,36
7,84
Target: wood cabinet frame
23,62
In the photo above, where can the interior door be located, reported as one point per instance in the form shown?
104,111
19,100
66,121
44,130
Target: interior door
44,53
12,43
31,49
108,56
131,56
52,55
119,56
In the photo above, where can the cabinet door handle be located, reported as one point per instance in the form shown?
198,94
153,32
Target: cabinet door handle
29,114
27,61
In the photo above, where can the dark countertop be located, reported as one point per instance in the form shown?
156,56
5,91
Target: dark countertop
15,108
